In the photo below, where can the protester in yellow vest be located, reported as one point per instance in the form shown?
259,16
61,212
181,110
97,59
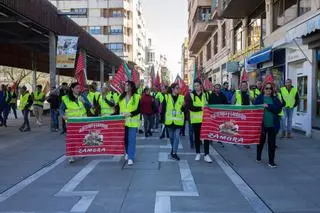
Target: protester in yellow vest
164,130
172,114
24,106
290,99
92,96
242,98
13,102
73,105
129,106
38,100
255,91
106,102
198,100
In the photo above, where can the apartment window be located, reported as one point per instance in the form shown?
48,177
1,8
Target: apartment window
209,51
254,32
283,12
224,35
115,30
238,39
83,12
117,13
305,6
151,57
263,24
204,13
215,44
94,30
115,47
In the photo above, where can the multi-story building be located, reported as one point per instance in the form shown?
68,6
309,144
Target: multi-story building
118,24
139,36
209,40
187,64
279,37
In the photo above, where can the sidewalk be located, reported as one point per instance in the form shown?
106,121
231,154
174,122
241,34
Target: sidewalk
294,185
22,154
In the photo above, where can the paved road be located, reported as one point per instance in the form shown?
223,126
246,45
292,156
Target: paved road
36,178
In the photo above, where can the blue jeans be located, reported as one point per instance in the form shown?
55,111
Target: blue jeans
286,122
191,136
174,134
130,142
54,118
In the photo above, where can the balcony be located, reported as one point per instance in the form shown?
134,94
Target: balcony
201,33
195,4
236,9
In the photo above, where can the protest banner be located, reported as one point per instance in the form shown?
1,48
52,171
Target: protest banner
232,124
91,136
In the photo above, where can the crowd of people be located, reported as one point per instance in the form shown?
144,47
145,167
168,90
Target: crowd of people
145,110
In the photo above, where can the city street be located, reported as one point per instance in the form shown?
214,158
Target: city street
36,178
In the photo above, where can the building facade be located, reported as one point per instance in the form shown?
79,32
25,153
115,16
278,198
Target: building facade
118,24
278,37
187,70
209,40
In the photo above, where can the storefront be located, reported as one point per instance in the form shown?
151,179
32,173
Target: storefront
267,61
303,68
299,70
233,69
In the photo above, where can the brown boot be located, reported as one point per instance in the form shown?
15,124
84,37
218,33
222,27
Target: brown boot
283,135
289,135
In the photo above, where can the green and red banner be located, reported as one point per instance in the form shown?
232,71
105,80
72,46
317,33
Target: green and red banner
232,124
91,136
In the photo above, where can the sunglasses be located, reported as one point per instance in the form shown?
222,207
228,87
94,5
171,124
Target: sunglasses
268,88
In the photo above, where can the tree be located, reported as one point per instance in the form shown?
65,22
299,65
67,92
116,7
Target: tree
14,75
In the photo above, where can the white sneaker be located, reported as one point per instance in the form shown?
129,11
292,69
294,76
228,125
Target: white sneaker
71,159
126,157
198,157
207,159
130,162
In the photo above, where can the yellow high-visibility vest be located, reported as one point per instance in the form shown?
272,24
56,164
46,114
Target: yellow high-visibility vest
174,115
289,98
74,109
196,117
132,105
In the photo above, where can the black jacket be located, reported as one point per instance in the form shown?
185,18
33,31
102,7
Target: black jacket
217,99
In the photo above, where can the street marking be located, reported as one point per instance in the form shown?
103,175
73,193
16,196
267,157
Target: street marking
256,203
87,197
167,146
26,182
163,198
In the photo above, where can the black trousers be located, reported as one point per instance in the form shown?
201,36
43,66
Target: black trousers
13,106
126,138
270,134
148,123
25,119
196,132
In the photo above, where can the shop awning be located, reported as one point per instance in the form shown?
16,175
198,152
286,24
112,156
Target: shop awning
304,28
261,56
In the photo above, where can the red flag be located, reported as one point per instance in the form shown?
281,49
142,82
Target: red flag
135,77
46,88
207,85
119,79
80,75
244,76
184,89
157,82
268,79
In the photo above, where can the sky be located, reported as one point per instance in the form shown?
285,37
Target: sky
167,21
